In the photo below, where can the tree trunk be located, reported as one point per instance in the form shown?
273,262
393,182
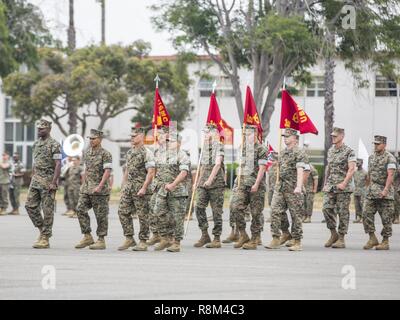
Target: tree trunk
329,92
71,28
103,22
72,108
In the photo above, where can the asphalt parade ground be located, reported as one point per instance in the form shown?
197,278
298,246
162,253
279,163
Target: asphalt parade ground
63,272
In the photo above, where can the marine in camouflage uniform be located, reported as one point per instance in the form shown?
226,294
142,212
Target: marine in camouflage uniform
5,171
311,185
251,191
380,194
396,185
360,184
289,194
211,188
95,192
18,170
338,188
172,168
42,190
135,195
73,179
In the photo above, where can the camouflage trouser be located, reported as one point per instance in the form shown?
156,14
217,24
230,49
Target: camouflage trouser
385,209
14,196
73,196
309,203
129,204
281,202
396,205
66,198
216,199
358,205
4,196
153,222
337,204
170,212
37,199
231,216
99,203
242,198
190,190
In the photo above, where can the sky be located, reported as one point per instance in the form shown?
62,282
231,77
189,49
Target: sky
126,21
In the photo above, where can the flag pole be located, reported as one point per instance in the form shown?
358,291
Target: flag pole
280,139
189,214
156,80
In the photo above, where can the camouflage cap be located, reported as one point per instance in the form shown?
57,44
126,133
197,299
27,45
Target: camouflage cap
162,129
43,124
96,133
290,132
210,127
380,139
336,131
136,131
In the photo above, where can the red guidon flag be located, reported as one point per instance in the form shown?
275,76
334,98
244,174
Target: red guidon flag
214,117
293,116
250,113
160,113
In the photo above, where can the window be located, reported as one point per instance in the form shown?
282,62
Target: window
224,87
20,138
316,87
385,87
8,108
122,155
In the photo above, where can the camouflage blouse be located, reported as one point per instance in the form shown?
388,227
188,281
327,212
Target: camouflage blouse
210,154
378,166
338,165
253,156
289,161
169,164
360,182
96,162
138,161
45,154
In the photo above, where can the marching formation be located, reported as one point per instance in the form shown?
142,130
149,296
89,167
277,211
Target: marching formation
162,187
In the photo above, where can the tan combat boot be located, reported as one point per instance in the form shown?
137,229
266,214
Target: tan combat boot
339,244
129,242
307,219
100,244
259,241
252,244
242,239
163,244
205,238
396,221
142,246
43,243
285,237
154,239
73,215
216,243
384,245
70,213
372,242
290,243
3,212
296,246
86,241
234,236
175,247
334,237
274,244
